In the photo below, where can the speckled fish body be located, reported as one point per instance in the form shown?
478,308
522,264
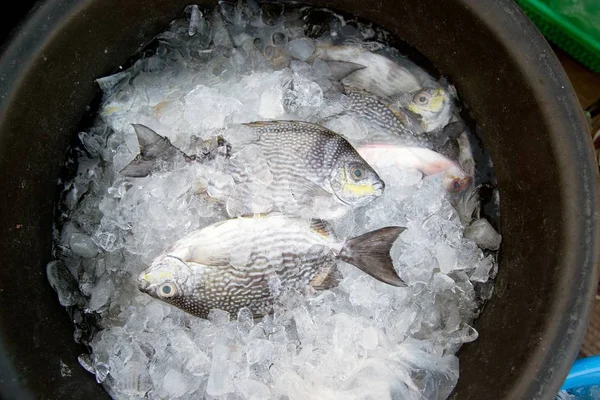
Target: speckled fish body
307,161
247,262
389,122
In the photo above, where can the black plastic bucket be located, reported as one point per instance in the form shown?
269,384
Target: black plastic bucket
525,111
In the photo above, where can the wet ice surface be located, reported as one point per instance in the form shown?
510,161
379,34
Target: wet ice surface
361,339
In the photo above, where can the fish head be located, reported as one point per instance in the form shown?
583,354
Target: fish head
434,107
455,180
165,279
354,182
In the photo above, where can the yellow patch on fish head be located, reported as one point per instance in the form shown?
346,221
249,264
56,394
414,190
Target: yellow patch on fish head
158,276
355,182
428,101
359,189
110,110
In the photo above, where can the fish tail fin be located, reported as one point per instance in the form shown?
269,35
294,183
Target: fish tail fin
341,69
153,147
146,136
370,252
138,168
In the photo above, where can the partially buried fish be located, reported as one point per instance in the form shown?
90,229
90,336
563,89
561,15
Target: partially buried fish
432,105
428,162
310,170
309,162
381,76
249,261
415,118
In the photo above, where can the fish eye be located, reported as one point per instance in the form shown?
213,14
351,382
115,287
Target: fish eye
422,98
357,173
167,290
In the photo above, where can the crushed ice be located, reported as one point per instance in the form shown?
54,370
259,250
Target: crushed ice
362,339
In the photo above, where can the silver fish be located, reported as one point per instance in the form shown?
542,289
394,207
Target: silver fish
391,121
307,161
381,76
301,168
249,261
454,178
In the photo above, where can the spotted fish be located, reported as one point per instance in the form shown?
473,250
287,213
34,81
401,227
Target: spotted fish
314,172
249,261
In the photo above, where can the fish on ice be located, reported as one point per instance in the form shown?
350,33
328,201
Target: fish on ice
247,262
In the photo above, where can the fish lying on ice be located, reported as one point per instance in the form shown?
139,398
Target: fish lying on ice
304,162
428,162
247,261
381,76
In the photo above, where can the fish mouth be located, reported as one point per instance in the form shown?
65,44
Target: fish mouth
379,188
459,185
143,284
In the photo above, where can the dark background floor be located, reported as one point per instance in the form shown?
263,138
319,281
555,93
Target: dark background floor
587,86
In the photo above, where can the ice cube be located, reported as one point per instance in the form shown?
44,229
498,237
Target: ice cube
271,103
101,294
82,245
245,320
219,381
63,283
304,324
302,96
155,312
184,348
218,317
195,15
101,369
251,389
301,49
133,380
369,338
86,362
249,198
484,234
442,282
208,108
446,256
482,270
258,350
176,384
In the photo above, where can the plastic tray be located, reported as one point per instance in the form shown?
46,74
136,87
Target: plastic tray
564,33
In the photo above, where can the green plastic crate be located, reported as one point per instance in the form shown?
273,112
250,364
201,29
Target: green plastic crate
564,33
